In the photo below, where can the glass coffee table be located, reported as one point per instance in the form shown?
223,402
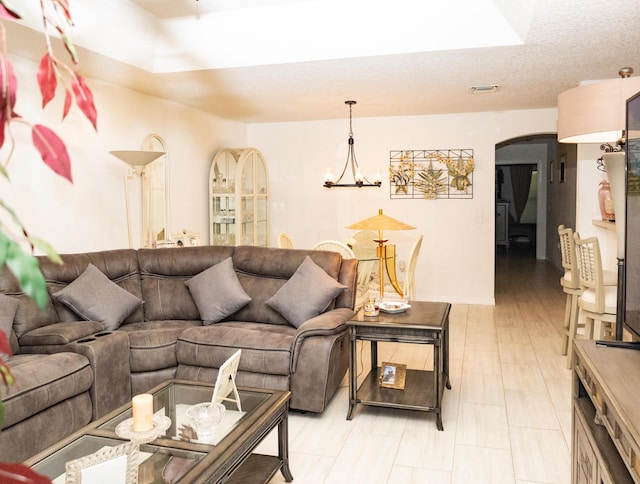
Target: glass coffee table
179,455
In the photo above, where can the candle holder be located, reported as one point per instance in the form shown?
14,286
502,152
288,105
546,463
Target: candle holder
160,425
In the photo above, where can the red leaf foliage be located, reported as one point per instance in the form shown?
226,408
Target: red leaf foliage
84,99
67,103
5,347
12,473
52,150
8,86
47,80
65,7
6,12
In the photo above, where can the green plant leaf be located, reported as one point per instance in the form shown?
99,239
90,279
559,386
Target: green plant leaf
26,269
43,246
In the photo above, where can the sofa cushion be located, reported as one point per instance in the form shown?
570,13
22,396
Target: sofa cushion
265,348
94,297
152,344
164,273
8,308
217,292
42,381
308,293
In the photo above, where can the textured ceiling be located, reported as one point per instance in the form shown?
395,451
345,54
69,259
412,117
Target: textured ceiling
564,42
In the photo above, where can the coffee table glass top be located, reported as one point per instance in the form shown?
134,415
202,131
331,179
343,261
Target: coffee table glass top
156,460
174,399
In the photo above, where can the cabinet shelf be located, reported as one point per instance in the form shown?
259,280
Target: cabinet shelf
239,198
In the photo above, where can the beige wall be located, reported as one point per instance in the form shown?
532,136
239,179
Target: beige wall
90,213
456,263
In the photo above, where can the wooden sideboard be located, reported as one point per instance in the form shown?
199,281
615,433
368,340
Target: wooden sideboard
606,415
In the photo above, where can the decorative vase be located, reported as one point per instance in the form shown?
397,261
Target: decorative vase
606,202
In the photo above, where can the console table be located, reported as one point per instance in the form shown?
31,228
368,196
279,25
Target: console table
606,414
423,323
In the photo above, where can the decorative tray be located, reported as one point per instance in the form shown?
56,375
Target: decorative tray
394,307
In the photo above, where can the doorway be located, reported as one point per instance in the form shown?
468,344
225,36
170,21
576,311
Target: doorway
522,170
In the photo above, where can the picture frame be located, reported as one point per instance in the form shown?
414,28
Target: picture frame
393,375
226,381
120,463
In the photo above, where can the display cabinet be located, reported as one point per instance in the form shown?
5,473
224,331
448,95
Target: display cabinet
239,198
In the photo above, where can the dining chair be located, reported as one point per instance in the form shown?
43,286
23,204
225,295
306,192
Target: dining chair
409,285
365,250
362,289
597,301
284,241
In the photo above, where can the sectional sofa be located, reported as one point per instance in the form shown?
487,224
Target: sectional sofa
119,322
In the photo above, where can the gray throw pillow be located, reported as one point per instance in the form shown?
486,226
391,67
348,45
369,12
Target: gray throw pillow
217,292
94,297
306,294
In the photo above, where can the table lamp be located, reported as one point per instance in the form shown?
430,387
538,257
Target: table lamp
379,223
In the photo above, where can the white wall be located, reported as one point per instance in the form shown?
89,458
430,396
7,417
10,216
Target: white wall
587,208
90,213
456,263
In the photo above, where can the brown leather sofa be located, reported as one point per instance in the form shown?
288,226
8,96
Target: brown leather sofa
78,370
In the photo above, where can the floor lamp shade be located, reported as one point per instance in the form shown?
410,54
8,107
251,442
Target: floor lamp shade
615,163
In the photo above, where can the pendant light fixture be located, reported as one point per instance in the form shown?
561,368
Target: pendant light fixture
358,179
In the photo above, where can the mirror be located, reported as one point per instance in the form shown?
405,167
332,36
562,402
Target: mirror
155,196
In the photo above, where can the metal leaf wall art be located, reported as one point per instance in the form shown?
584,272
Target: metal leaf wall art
431,174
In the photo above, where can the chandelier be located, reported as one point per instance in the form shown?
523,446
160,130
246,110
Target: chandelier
358,179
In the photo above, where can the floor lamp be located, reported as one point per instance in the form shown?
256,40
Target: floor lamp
379,223
596,113
138,160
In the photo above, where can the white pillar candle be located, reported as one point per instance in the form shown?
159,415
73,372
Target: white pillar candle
142,410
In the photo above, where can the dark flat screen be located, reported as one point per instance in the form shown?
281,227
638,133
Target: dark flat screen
632,242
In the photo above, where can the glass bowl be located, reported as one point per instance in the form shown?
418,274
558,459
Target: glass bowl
205,416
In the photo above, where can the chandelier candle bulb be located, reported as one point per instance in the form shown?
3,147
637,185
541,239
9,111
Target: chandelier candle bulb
142,410
328,177
377,177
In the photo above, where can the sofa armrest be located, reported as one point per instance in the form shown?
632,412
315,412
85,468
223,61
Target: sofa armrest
324,324
58,334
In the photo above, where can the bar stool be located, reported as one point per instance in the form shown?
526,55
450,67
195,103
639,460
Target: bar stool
597,302
570,282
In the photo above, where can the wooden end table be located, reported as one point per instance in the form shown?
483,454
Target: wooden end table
423,323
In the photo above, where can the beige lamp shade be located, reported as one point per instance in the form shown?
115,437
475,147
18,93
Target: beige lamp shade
595,113
137,157
379,223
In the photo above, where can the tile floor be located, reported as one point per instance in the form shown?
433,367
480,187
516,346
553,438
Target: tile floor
507,418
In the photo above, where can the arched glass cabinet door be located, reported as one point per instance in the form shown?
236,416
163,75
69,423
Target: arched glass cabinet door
239,198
